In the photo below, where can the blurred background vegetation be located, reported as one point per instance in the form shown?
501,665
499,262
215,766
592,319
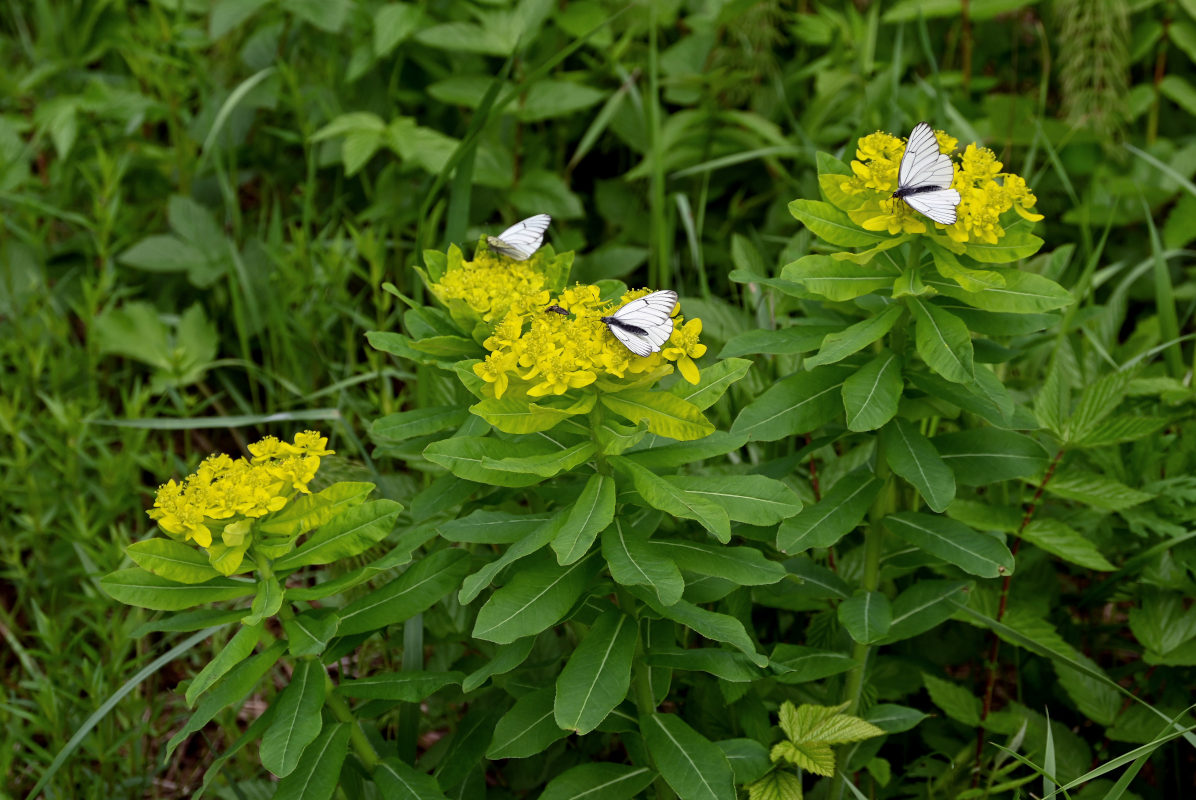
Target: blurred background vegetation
199,200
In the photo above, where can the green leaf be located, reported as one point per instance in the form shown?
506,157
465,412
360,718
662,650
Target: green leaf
665,413
924,606
893,718
537,598
754,499
1095,490
725,665
172,560
297,720
676,455
954,542
407,543
838,346
506,658
492,527
1022,293
967,398
778,784
660,493
1096,699
1098,400
836,280
468,745
943,341
397,780
866,616
464,457
811,729
956,702
136,587
411,686
349,533
318,775
309,633
517,415
745,566
599,781
528,728
713,383
597,675
838,513
1119,429
239,648
546,465
416,590
692,766
783,341
970,280
1015,244
633,562
404,425
1059,538
590,514
313,510
394,23
799,403
912,456
799,664
266,602
984,456
749,758
871,395
832,225
541,536
714,626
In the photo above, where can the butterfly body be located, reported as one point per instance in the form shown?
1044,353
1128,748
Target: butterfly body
521,240
644,324
924,177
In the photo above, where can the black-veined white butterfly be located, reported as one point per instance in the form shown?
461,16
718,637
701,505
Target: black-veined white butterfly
522,239
924,178
644,324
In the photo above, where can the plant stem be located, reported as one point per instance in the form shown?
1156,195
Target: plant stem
645,702
340,709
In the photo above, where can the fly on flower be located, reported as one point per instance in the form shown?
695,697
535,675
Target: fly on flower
924,179
645,324
521,240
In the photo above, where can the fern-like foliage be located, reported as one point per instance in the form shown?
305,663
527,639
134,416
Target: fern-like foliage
1094,64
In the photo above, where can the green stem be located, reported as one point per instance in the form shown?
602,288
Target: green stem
340,709
641,681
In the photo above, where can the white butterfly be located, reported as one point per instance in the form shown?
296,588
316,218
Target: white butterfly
522,239
645,324
924,179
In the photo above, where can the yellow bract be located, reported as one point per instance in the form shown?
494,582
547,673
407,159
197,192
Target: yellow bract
985,192
238,490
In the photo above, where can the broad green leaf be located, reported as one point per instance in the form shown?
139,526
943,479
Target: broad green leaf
318,775
463,456
470,738
313,510
231,690
634,562
956,701
546,465
506,658
838,513
871,395
754,499
136,587
536,598
405,425
923,606
748,758
188,621
472,586
528,728
714,626
1015,244
492,527
817,579
597,675
943,341
1098,400
266,602
309,633
836,280
1094,489
517,415
693,767
797,404
615,438
1161,621
866,616
941,391
892,718
1052,400
954,542
599,781
1022,293
832,225
590,514
397,780
839,345
297,720
984,456
1057,537
676,455
239,648
799,664
726,665
1096,699
783,341
409,686
416,590
172,560
965,278
405,546
912,456
394,23
351,532
665,413
713,383
778,784
660,493
745,566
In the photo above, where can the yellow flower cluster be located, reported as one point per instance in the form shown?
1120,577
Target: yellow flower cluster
493,285
546,353
224,495
985,192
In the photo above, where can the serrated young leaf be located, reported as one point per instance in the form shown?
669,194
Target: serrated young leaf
956,701
1098,400
1096,490
776,785
1057,537
816,757
1052,401
1119,429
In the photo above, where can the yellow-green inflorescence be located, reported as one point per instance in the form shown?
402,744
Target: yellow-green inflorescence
985,191
540,353
216,505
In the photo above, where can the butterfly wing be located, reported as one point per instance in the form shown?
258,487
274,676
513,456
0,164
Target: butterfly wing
923,164
651,314
522,239
939,206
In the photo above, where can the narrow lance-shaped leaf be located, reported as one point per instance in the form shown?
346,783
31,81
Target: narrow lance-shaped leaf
297,720
317,776
528,728
912,456
691,765
866,616
837,346
351,532
537,597
838,513
943,341
954,542
597,675
665,413
591,513
872,394
659,493
797,404
633,562
416,590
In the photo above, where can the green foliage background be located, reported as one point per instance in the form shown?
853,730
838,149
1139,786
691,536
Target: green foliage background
200,201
